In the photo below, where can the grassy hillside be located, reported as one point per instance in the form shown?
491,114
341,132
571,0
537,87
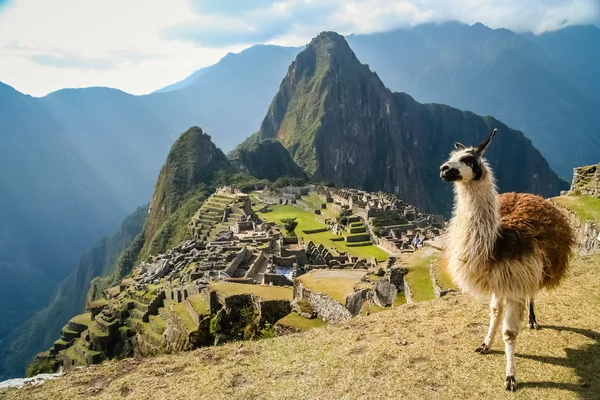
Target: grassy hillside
421,351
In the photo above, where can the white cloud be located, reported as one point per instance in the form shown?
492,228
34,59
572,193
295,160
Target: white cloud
48,45
139,46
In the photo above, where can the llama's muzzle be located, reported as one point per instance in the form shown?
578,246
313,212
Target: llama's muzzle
449,174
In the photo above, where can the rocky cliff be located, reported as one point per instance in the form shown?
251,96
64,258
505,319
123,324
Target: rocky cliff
340,123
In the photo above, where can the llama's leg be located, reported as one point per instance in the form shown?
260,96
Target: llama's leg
532,322
496,308
510,330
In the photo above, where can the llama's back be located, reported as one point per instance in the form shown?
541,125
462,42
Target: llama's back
527,219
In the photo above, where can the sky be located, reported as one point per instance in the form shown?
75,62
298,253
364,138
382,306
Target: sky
139,46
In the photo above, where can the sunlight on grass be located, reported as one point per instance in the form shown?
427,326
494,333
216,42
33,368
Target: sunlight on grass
308,221
297,321
418,277
586,208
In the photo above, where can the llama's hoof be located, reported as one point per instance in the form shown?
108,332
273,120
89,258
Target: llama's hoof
483,349
511,383
533,325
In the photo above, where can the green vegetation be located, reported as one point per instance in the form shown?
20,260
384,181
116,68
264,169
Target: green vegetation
586,208
336,284
41,366
308,221
296,321
268,331
289,224
418,276
265,292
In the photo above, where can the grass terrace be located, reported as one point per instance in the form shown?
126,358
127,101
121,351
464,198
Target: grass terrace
182,313
308,221
82,319
198,304
441,274
336,284
418,276
586,208
297,321
265,292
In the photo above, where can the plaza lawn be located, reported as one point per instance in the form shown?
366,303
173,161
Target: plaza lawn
308,221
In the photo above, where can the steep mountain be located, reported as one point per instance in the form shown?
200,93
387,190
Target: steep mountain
69,299
497,72
53,206
193,161
266,159
340,123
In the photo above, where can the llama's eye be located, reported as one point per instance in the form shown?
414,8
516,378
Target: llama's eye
468,160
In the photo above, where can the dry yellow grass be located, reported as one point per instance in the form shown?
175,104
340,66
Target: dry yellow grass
423,351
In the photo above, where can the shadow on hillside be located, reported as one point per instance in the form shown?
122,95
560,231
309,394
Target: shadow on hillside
585,362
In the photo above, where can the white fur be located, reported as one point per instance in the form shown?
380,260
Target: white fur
470,240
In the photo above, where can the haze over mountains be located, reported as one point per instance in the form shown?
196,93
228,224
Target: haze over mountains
76,162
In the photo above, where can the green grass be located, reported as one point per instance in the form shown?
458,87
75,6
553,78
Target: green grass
336,284
265,292
93,328
308,221
198,304
296,321
399,300
418,277
586,208
82,319
61,342
443,277
182,313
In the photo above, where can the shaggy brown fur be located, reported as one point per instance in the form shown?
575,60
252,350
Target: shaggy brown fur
527,218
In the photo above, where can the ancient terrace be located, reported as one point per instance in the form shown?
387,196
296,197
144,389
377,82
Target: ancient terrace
238,273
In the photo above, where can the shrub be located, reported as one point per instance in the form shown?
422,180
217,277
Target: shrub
289,224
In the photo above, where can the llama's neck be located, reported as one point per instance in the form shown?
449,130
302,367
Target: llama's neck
476,220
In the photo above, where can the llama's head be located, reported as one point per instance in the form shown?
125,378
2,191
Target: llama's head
466,163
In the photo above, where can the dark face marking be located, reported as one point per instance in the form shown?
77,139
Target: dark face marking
473,161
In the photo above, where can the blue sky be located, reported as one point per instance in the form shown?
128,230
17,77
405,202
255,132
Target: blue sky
141,45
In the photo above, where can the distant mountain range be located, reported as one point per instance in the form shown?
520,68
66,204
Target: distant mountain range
74,163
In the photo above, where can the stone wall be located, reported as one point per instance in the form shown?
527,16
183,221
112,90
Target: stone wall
586,233
407,293
272,311
255,265
325,307
239,257
276,280
586,181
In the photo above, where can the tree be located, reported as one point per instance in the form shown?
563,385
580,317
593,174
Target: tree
289,224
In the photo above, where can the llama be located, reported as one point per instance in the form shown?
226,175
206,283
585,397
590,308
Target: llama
507,246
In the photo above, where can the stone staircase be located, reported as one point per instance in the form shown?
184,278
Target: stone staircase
208,220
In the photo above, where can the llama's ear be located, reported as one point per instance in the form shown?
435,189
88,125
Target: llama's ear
483,146
459,146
